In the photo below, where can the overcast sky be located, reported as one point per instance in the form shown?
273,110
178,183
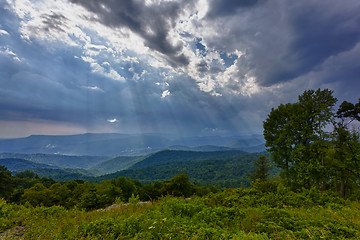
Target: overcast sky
184,67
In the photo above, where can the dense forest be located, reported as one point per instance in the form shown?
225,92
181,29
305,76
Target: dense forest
315,195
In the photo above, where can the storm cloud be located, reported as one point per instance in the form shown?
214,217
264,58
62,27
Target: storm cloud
228,7
153,23
284,40
185,67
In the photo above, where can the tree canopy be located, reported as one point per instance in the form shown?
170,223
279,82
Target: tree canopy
313,145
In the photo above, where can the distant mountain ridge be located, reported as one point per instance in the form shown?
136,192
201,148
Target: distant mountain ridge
57,160
88,156
103,165
84,144
213,148
115,144
14,164
203,148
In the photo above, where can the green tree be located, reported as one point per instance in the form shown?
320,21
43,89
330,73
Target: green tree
36,195
345,158
262,169
345,155
180,185
6,183
295,133
108,192
127,187
59,194
90,199
349,110
27,174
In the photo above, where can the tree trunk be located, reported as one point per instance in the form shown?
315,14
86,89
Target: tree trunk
342,186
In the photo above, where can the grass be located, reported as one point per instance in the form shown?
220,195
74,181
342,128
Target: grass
232,214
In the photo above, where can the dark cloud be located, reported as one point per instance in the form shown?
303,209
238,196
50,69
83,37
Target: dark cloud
318,33
152,23
54,21
219,8
202,66
284,40
302,44
341,73
53,88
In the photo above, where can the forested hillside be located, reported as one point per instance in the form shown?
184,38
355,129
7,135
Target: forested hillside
58,160
167,156
15,164
222,172
203,168
117,164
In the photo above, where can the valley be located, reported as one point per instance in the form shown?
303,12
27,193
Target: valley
147,158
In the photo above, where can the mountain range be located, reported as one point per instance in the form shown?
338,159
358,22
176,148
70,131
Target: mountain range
223,161
115,144
220,168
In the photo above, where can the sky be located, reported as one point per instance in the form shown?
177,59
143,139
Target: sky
184,67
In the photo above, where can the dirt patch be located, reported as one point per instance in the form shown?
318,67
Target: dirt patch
14,233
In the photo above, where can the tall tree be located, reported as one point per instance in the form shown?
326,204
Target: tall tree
349,110
295,132
345,157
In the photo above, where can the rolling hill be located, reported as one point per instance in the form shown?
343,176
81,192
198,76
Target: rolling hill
58,160
220,168
165,156
22,164
117,164
224,167
159,158
66,174
222,172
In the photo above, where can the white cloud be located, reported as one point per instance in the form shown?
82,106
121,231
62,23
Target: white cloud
94,50
165,94
129,59
7,51
87,59
104,69
115,44
202,6
136,77
95,88
3,32
115,75
112,120
208,85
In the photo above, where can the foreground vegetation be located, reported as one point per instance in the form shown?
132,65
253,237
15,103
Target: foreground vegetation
269,211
